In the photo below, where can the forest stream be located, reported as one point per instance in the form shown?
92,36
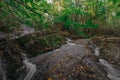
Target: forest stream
113,74
30,68
59,39
76,60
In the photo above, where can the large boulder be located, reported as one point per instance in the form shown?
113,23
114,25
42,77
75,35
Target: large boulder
73,61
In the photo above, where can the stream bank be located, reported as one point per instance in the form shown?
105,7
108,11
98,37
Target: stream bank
33,43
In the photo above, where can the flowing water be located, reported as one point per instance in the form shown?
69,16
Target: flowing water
30,68
97,51
26,30
69,42
113,74
95,48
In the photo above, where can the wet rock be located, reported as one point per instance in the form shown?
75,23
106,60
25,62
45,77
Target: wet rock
109,49
70,62
73,61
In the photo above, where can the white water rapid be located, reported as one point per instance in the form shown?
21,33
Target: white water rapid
113,74
95,48
69,42
97,51
31,68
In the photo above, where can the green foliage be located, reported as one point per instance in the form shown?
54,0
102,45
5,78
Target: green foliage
73,14
28,12
70,20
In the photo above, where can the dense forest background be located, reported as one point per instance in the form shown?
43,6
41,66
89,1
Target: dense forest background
82,17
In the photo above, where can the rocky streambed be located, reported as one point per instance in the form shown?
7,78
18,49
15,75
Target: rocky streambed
83,59
76,61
